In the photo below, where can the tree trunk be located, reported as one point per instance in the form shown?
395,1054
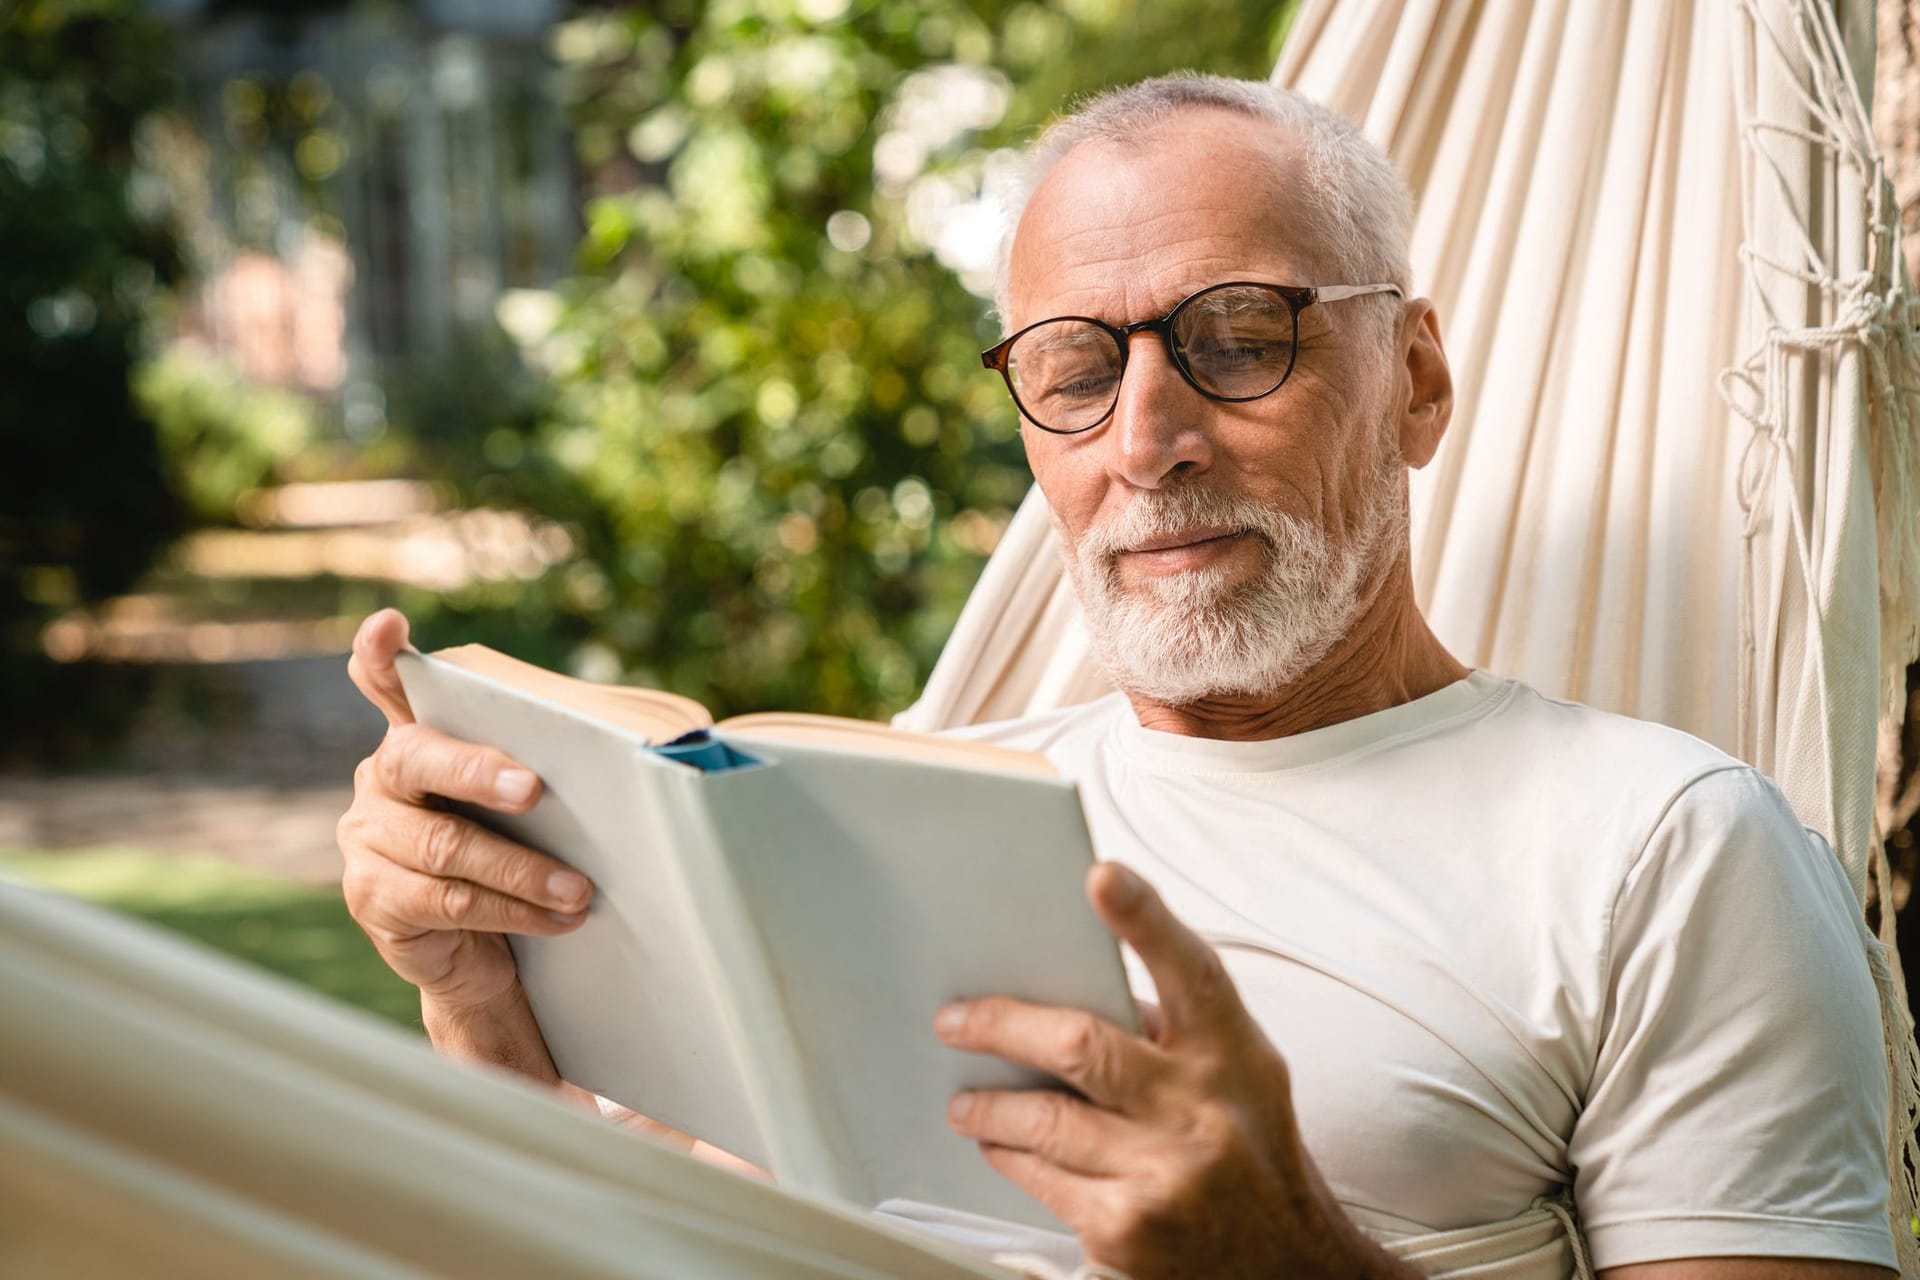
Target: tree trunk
1896,125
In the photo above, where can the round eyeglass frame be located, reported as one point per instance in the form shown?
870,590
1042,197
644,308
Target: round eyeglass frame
1297,297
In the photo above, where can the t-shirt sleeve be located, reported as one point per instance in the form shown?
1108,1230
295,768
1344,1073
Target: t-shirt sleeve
1739,1095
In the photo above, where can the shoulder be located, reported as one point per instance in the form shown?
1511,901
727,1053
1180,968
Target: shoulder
1633,834
1695,858
1574,737
1654,787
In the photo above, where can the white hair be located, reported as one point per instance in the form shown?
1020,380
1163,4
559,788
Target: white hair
1359,210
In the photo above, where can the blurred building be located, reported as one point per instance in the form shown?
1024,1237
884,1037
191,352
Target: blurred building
375,175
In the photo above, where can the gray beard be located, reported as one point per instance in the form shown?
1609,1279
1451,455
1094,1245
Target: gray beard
1179,638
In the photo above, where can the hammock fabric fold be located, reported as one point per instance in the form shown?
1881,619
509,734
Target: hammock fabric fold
167,1112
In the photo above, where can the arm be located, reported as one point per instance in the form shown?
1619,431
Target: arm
506,1035
501,1034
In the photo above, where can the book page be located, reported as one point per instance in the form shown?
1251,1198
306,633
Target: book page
879,739
881,888
661,717
655,715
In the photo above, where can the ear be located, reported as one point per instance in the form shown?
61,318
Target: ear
1427,406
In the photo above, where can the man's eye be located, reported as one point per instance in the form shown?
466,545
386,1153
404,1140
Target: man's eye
1075,376
1089,384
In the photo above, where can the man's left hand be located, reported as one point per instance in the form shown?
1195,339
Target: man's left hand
1182,1156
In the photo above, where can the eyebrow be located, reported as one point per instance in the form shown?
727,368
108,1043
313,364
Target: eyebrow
1229,301
1061,339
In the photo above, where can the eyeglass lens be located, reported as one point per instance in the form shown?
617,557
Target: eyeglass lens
1235,342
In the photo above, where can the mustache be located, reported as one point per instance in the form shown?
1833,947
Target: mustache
1162,513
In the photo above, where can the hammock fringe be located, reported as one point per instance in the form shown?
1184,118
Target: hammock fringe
1870,315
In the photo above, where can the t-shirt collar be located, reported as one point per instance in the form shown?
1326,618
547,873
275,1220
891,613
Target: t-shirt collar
1163,752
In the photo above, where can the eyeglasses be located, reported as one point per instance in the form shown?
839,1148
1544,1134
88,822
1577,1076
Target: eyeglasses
1234,342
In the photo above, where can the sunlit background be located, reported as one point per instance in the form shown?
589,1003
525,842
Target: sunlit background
638,341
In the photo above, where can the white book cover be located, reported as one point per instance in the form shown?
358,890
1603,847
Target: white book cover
768,944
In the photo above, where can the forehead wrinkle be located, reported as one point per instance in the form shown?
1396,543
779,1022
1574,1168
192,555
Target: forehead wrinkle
1144,296
1132,268
1122,283
1265,195
1246,233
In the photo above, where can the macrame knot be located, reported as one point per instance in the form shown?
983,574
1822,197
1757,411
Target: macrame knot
1863,310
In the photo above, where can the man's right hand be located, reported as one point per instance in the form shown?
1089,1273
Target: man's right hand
437,893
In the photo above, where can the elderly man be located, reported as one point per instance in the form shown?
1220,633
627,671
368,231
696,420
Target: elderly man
1428,947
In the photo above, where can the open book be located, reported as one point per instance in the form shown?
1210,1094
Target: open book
783,902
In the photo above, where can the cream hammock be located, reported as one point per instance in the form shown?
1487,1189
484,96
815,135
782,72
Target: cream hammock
1618,201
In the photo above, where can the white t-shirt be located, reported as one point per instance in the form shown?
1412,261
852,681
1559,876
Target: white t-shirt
1507,944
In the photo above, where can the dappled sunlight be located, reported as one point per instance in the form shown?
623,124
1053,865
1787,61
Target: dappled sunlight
438,552
368,531
121,634
340,502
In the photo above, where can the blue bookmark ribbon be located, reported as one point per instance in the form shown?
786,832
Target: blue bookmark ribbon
705,752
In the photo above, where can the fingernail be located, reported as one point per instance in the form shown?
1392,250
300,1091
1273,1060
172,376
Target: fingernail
1127,887
957,1109
568,917
949,1020
566,887
514,786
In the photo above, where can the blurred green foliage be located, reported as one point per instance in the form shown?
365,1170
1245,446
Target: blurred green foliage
220,435
84,251
768,428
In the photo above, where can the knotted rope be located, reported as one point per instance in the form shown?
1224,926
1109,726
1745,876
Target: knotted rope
1871,313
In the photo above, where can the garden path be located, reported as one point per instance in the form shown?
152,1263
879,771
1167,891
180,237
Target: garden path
250,761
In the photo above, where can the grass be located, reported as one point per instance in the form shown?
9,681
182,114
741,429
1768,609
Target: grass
300,931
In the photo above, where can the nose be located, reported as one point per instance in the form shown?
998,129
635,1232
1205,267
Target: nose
1159,426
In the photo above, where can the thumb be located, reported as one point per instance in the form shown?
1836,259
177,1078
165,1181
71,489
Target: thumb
371,667
1196,994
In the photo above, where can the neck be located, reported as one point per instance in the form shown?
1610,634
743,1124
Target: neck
1387,657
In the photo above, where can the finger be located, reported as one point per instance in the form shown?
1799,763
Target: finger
1153,1023
371,668
1103,1062
1196,995
1059,1127
400,904
450,847
415,762
1068,1196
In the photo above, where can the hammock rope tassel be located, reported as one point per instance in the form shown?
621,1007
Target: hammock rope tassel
1872,314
